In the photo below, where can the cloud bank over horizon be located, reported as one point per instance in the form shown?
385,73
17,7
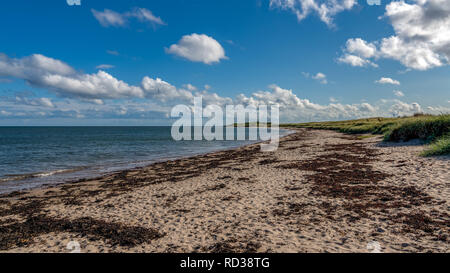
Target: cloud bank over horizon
101,95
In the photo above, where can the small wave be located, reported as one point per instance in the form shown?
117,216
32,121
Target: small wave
17,177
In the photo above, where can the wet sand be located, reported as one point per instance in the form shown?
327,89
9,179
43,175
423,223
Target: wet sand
321,191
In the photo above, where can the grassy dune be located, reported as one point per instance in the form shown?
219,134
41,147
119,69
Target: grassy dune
434,130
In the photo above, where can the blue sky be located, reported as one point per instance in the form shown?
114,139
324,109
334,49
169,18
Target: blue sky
155,54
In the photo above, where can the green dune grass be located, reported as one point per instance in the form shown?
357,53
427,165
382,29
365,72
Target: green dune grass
439,147
433,130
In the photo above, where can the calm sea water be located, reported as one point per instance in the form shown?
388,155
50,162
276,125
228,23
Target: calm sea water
33,156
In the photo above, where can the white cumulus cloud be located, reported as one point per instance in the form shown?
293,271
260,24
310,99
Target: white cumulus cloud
385,80
421,40
57,76
354,60
29,67
401,108
198,48
320,77
357,53
361,48
95,86
164,91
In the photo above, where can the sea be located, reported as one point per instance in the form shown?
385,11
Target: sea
31,157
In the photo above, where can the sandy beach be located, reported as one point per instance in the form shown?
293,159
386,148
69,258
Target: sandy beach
321,191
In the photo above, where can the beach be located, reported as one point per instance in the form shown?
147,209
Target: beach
321,191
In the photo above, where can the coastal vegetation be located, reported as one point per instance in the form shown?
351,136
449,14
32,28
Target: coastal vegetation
433,130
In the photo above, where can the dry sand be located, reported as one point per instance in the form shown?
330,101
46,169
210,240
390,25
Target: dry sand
321,191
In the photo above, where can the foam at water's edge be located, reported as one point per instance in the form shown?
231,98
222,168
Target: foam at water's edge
16,177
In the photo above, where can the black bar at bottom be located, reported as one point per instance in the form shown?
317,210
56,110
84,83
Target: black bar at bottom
224,262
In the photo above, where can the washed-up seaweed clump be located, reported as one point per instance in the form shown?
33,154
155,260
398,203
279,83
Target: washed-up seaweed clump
419,220
233,246
22,233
